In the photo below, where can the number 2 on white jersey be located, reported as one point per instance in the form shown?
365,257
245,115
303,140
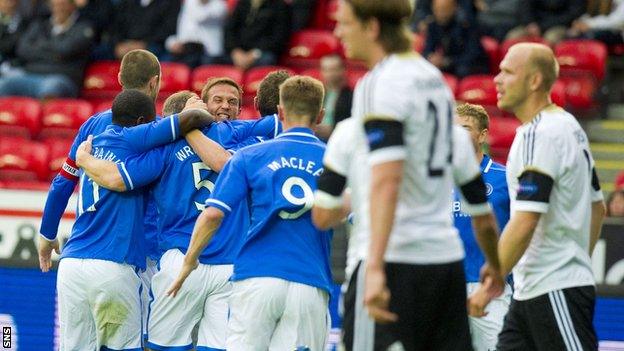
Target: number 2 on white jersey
306,201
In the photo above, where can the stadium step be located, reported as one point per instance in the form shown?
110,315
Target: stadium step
616,112
609,131
607,171
607,151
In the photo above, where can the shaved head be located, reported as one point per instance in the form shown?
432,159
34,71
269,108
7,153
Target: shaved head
538,58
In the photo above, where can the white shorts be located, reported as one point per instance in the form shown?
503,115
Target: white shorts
146,284
485,330
275,314
99,305
203,300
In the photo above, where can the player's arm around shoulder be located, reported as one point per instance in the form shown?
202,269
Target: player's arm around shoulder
104,173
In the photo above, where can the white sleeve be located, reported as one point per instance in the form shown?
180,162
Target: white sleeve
340,147
466,172
542,160
465,165
388,101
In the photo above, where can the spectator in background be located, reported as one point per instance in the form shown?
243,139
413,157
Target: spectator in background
52,55
423,13
199,39
257,32
547,18
615,204
99,13
144,24
497,17
12,25
302,11
453,43
607,28
338,95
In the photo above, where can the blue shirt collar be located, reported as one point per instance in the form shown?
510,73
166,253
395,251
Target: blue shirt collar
486,163
299,132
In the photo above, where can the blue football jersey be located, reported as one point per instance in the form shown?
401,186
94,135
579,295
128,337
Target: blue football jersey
185,182
109,225
496,185
94,126
279,177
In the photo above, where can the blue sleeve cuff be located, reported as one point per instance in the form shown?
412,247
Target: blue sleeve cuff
175,127
219,204
125,176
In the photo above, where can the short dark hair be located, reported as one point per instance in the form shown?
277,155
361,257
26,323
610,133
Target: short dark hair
268,92
176,102
131,104
137,68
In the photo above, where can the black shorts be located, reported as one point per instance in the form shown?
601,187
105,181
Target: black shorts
430,301
559,320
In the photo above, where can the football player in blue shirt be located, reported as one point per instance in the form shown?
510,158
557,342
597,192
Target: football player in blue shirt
139,70
484,330
183,175
282,277
98,286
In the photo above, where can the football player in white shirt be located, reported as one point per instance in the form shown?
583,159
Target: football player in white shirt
557,210
406,110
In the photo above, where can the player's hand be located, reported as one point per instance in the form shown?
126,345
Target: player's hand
477,302
194,102
187,268
45,248
84,150
492,280
377,296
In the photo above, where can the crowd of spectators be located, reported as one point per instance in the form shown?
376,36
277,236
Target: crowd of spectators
46,44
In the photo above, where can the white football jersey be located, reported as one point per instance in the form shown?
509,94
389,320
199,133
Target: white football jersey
346,154
407,89
553,148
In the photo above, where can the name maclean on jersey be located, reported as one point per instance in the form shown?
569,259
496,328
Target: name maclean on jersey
296,163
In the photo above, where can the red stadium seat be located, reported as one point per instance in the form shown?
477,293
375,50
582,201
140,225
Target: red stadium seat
175,77
23,160
501,135
312,72
582,57
452,82
248,112
306,48
102,105
579,91
480,90
59,149
25,185
558,93
255,75
505,45
353,76
100,81
202,73
19,116
491,47
63,117
324,16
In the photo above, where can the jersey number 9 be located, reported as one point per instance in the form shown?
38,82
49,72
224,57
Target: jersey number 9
306,201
